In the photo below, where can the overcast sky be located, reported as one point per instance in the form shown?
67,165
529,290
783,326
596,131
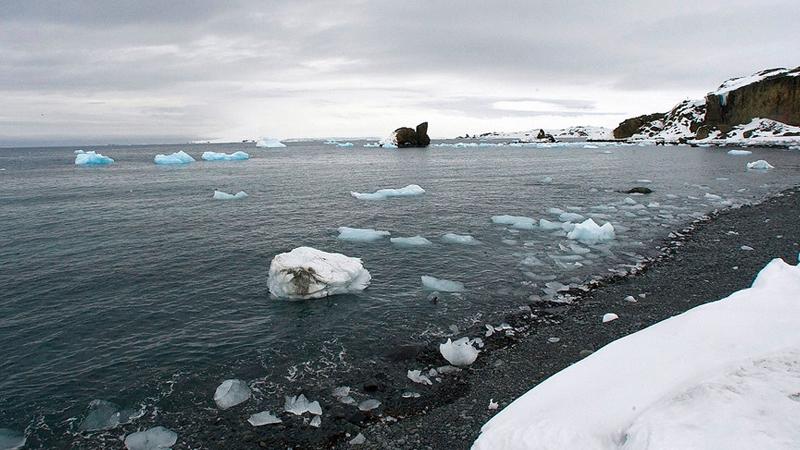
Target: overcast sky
176,71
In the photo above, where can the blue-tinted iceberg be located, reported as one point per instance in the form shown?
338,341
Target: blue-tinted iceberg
180,157
463,239
91,158
219,195
270,142
439,284
361,234
407,242
235,156
299,405
588,231
152,439
519,222
11,440
306,272
383,194
231,393
104,415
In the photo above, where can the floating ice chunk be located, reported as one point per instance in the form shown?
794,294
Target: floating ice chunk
590,146
347,400
78,152
460,353
740,152
417,377
464,239
409,394
231,393
760,165
629,201
341,391
589,232
646,181
407,242
306,272
180,157
358,440
555,211
11,440
91,158
316,422
608,317
152,439
439,284
369,405
361,234
519,222
270,142
103,415
630,299
382,194
299,405
235,156
548,225
747,248
570,217
263,418
344,144
578,250
713,197
532,261
219,195
547,179
493,404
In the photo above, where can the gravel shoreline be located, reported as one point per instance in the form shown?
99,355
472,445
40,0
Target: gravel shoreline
705,264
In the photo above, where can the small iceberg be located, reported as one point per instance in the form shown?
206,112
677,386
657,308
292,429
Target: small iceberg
219,195
263,418
369,405
231,393
409,242
361,234
11,440
214,156
608,317
180,157
91,158
382,194
103,415
740,152
570,217
299,405
589,232
460,353
316,422
358,440
306,272
438,284
463,239
152,439
548,225
417,377
518,222
760,165
344,144
270,142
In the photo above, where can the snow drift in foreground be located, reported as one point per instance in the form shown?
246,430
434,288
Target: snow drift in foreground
151,439
235,156
721,375
180,157
306,272
270,142
91,158
382,194
219,195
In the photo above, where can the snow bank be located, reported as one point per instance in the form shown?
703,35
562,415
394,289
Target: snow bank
460,353
407,242
270,142
361,234
91,158
519,222
589,231
151,439
721,375
760,165
383,194
306,272
439,284
219,195
235,156
464,239
180,157
231,393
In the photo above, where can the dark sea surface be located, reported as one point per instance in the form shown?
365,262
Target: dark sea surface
117,282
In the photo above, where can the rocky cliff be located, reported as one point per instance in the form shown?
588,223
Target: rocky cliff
408,137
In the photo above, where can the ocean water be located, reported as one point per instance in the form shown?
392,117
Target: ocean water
118,282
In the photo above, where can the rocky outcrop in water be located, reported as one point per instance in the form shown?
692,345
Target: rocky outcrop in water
409,137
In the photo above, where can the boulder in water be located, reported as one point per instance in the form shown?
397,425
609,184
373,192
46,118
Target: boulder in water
405,137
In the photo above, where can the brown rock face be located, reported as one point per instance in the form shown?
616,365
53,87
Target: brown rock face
629,127
409,137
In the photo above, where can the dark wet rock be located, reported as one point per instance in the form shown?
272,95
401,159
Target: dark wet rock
409,137
631,126
545,136
639,190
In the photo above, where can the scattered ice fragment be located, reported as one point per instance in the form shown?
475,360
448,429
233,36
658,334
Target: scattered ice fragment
547,179
231,393
180,157
306,272
407,242
548,225
570,217
361,234
453,328
578,250
103,415
220,195
152,439
460,353
299,405
642,295
553,340
344,144
464,239
519,222
235,156
608,317
493,404
347,400
409,394
589,232
270,142
316,422
630,299
263,418
358,440
446,370
629,201
747,248
646,181
555,211
383,194
417,377
11,440
341,391
739,152
369,405
760,165
713,197
91,158
439,284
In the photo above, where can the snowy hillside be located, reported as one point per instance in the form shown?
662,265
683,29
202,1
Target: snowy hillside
576,132
722,375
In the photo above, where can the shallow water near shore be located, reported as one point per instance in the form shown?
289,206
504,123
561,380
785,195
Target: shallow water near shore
120,280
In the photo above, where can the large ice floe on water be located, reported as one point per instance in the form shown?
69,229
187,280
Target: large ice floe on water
235,156
459,353
723,375
409,242
382,194
439,284
152,439
104,415
760,165
231,393
270,142
589,231
306,272
219,195
361,234
11,440
180,157
518,222
91,158
463,239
